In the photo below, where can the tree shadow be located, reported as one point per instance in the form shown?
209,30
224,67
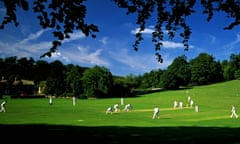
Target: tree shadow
40,133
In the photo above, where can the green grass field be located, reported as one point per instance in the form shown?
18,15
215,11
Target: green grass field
88,121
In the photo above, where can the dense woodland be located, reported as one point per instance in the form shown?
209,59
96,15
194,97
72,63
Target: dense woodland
58,79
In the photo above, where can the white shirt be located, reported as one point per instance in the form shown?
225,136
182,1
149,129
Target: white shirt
156,109
3,103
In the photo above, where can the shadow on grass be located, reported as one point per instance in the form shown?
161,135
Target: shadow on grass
113,135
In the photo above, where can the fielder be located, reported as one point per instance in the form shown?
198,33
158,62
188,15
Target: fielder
74,100
191,103
116,108
3,106
109,110
180,104
156,112
50,100
234,114
127,107
196,108
175,104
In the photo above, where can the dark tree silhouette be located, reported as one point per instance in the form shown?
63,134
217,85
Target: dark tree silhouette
62,16
68,15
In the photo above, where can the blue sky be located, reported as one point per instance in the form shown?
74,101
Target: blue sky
112,47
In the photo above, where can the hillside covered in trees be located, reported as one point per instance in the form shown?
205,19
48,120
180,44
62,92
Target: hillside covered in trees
58,79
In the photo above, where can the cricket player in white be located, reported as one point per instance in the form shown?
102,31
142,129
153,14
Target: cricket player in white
109,110
191,103
127,107
180,104
234,114
74,100
3,106
50,100
175,104
196,108
155,112
116,108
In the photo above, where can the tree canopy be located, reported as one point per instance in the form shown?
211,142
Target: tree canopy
64,17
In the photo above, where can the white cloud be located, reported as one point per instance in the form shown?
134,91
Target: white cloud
212,39
81,55
32,37
25,47
232,44
146,31
74,36
138,62
229,48
169,44
30,46
91,57
59,56
166,44
104,40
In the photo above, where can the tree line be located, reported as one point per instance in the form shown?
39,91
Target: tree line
57,79
201,70
73,80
